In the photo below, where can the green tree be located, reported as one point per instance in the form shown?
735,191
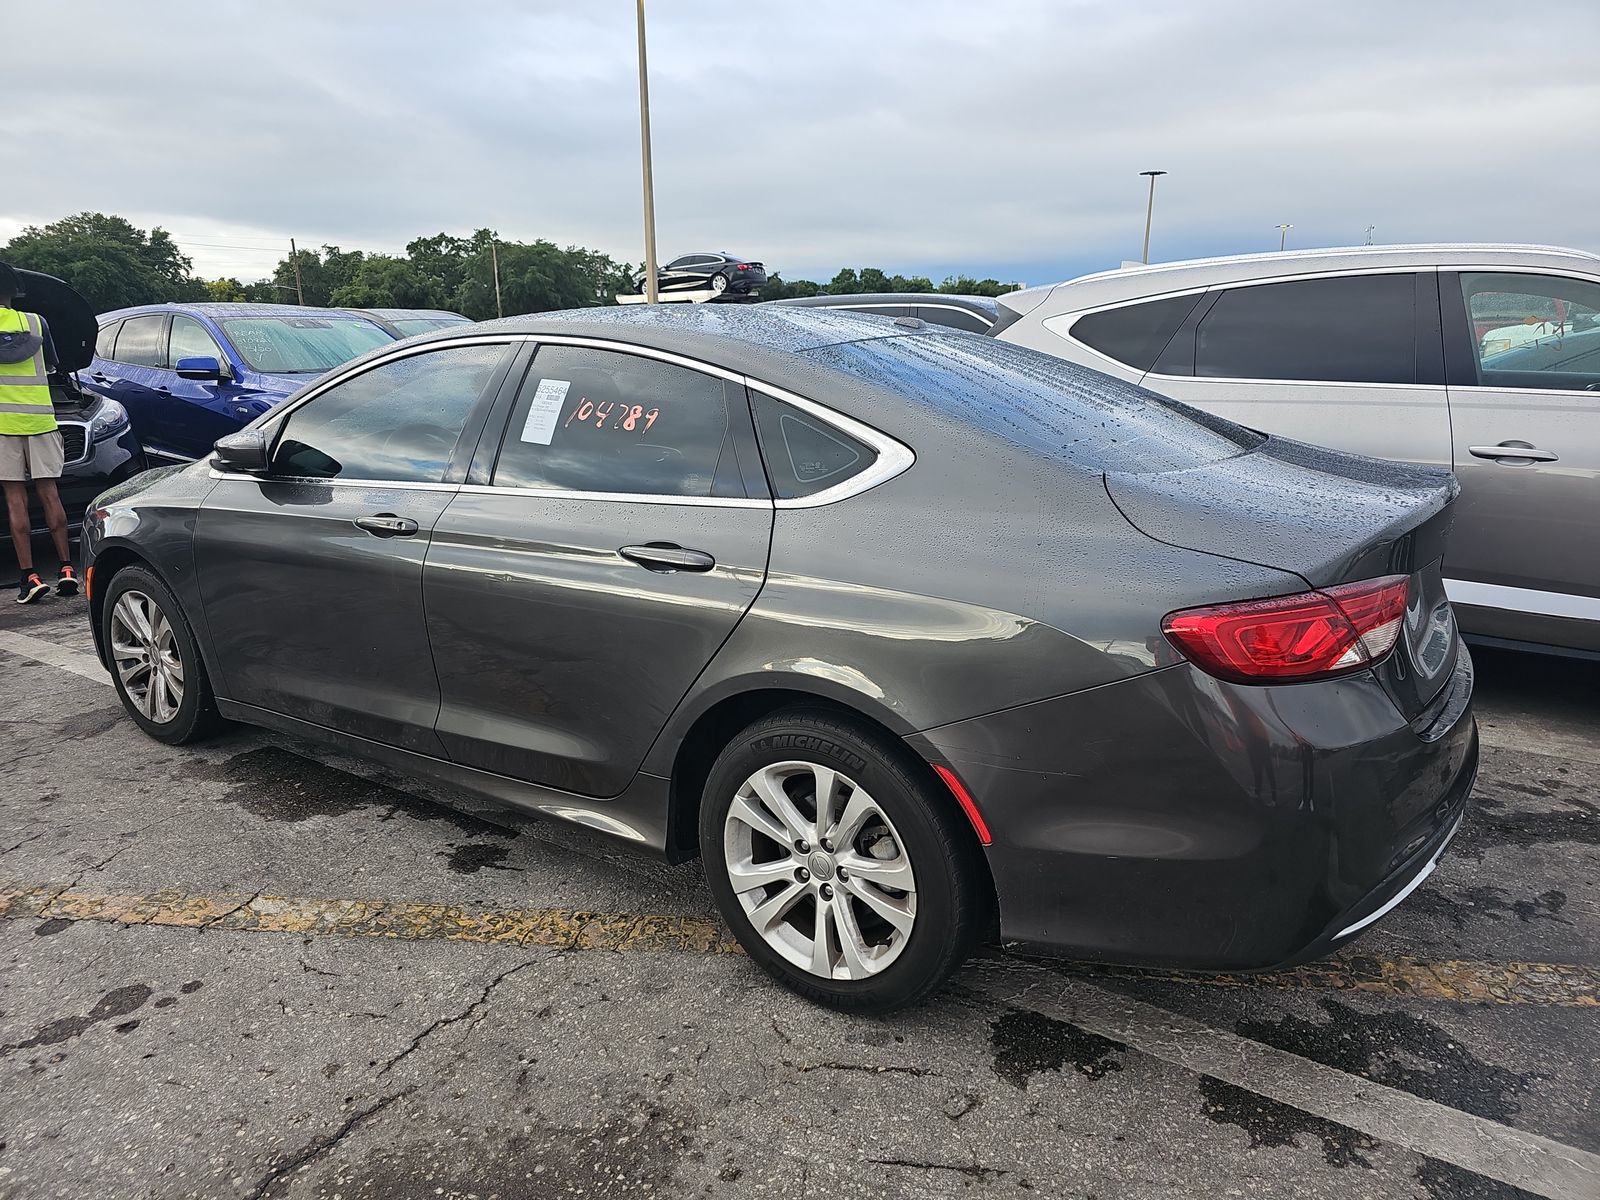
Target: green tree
224,291
383,281
965,285
321,274
112,263
844,283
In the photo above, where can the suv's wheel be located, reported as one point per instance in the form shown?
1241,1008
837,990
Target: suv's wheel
838,868
155,664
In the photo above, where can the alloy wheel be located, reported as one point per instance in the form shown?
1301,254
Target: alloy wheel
719,284
144,651
820,870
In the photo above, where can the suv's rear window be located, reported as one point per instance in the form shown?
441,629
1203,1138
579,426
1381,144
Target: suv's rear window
1045,404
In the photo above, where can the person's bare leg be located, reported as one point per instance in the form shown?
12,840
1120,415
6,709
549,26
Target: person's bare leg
54,516
21,533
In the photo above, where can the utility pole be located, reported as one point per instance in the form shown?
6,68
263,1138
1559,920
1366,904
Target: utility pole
494,257
294,257
1283,235
1149,209
651,294
1370,229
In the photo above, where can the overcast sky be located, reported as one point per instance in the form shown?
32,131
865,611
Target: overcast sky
990,137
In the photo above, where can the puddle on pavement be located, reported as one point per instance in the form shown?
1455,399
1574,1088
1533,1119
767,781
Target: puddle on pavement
1026,1044
1270,1123
1465,905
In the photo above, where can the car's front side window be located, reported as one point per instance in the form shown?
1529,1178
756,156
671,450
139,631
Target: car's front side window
1534,331
190,339
591,420
397,421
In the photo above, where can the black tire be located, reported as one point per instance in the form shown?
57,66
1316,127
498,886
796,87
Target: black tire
952,899
196,716
726,282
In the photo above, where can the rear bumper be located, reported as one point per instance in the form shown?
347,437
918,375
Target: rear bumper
1177,821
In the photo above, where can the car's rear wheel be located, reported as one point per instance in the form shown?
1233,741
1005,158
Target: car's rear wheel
719,283
837,865
155,663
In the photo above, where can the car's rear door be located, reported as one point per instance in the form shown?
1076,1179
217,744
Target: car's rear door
1524,360
614,531
135,376
1351,361
312,575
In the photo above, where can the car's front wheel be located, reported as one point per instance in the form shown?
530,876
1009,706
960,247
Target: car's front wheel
155,663
839,869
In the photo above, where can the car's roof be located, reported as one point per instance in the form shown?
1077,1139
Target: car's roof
223,311
984,306
390,314
1106,287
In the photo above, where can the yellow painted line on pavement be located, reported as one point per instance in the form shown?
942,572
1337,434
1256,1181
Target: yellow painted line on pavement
1564,985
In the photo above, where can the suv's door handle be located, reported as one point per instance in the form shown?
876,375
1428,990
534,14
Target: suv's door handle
99,378
1527,453
665,556
387,525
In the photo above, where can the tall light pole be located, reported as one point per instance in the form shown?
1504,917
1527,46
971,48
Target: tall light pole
1149,211
651,294
1283,235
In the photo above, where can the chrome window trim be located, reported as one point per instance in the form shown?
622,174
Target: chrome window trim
1522,600
894,458
478,489
374,485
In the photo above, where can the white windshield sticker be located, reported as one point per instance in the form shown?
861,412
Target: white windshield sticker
540,426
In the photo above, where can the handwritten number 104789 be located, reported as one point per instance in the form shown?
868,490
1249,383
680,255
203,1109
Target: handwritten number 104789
627,416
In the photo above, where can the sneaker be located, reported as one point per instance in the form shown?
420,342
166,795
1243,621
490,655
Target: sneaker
31,588
67,583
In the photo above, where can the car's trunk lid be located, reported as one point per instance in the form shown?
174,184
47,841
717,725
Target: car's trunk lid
73,328
1329,518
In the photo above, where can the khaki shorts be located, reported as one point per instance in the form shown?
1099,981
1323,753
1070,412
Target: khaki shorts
36,456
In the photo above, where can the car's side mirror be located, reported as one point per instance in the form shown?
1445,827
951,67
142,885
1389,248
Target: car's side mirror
244,452
202,366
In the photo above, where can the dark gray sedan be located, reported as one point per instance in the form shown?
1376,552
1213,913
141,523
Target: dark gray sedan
915,637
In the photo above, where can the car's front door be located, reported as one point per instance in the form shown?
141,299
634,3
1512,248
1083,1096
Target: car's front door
1524,361
1348,361
312,575
201,410
606,546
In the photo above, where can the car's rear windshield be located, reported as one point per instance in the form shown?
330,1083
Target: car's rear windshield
301,345
410,325
1045,404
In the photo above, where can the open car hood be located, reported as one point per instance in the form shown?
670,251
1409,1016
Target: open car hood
73,327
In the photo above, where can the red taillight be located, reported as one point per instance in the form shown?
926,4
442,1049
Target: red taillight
1310,635
742,267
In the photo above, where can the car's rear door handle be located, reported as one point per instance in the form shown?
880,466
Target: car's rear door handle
666,556
387,525
1512,450
99,378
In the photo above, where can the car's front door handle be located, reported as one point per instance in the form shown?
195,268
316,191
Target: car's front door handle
1513,450
665,556
387,525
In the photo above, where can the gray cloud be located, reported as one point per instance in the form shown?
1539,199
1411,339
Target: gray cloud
998,137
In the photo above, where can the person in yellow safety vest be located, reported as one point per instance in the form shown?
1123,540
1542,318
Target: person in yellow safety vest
30,442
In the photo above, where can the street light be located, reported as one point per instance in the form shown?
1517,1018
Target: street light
650,291
1149,210
1283,235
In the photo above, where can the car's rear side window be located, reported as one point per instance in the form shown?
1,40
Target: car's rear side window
106,343
1134,334
805,454
1340,329
590,420
140,342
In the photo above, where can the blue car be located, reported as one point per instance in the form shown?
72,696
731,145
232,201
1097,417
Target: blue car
191,373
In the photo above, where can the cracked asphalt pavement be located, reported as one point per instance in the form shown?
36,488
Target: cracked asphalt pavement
256,968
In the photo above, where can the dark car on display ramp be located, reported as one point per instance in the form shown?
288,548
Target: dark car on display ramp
911,635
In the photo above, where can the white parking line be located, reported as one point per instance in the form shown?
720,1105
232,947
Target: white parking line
62,657
1525,1160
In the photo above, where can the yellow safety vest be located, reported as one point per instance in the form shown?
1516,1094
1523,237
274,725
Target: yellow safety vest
25,406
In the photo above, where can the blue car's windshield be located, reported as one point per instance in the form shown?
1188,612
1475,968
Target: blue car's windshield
301,345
